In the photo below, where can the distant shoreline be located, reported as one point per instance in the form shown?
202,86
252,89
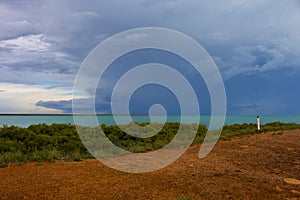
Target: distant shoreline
27,119
71,114
99,114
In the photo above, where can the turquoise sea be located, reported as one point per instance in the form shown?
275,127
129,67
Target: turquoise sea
26,120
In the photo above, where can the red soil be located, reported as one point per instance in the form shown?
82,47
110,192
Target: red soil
253,167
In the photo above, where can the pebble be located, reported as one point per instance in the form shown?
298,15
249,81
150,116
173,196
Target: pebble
295,191
244,146
291,181
278,188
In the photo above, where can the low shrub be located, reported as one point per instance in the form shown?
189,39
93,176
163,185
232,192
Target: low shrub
61,142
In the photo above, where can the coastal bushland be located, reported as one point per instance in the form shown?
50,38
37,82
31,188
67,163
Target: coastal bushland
42,142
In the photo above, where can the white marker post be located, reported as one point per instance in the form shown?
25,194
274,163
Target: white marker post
258,123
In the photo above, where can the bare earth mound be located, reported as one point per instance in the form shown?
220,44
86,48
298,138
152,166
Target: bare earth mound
261,166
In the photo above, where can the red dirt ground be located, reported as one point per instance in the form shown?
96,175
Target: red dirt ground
253,167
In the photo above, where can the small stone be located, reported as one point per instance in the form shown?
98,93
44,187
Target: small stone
295,191
277,188
218,174
244,146
291,181
290,149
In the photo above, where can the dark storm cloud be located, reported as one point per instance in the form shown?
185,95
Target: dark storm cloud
245,38
73,28
82,104
63,105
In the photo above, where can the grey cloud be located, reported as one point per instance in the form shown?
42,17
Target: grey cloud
84,14
82,105
266,107
64,105
59,86
74,28
249,60
10,75
231,33
16,29
36,53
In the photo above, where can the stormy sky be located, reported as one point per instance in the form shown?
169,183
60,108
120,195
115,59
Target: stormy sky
255,45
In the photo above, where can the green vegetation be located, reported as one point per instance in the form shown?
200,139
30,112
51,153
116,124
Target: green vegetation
61,142
238,130
40,143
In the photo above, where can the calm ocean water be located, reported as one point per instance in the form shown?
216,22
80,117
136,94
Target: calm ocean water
26,120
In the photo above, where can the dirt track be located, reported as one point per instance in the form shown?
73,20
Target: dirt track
254,167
